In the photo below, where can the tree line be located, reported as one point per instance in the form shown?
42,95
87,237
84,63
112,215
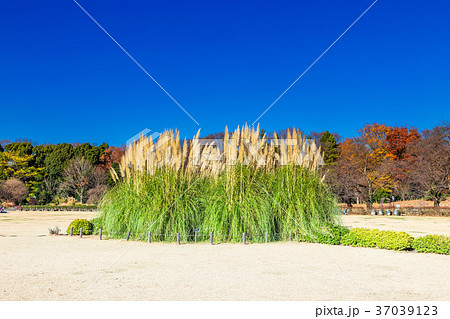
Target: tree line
398,163
61,173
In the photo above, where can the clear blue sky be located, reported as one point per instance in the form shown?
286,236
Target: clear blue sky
63,80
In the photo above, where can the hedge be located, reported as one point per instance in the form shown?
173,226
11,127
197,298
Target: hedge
83,208
437,244
363,237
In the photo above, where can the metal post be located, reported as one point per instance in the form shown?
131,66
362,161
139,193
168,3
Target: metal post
81,232
71,231
243,238
100,233
178,238
290,236
195,236
266,238
128,235
211,238
149,237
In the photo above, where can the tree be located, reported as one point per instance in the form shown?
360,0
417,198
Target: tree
58,160
364,163
112,155
22,148
330,148
90,153
398,140
13,190
77,176
15,165
430,163
41,152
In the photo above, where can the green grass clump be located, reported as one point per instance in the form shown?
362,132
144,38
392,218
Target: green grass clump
242,198
437,244
363,237
77,224
161,203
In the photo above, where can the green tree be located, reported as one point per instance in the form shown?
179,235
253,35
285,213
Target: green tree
58,160
41,152
330,148
20,166
90,153
22,148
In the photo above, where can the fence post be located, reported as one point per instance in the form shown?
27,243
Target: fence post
149,237
178,238
266,236
128,235
195,236
81,232
100,233
71,231
243,238
211,238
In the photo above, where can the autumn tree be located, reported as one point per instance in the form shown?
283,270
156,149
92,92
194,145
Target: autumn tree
430,163
111,155
13,190
398,139
77,177
363,162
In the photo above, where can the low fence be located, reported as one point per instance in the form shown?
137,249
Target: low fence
403,211
77,208
195,237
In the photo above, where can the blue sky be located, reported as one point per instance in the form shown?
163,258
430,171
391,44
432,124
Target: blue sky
63,80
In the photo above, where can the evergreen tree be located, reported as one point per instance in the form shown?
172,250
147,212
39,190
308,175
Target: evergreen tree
330,148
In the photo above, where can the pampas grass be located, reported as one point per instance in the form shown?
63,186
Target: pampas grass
243,183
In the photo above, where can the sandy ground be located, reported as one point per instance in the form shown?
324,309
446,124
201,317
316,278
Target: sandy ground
35,266
414,225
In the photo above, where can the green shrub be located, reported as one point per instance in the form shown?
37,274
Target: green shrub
437,244
87,226
363,237
394,240
330,235
360,237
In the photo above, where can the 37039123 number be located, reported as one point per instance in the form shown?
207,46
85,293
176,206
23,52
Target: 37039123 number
407,310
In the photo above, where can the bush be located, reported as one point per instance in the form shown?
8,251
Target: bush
87,226
363,237
360,237
394,240
330,235
437,244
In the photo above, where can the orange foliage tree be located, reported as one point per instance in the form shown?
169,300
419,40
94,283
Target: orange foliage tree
365,160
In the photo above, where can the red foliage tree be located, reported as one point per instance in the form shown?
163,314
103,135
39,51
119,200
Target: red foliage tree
112,155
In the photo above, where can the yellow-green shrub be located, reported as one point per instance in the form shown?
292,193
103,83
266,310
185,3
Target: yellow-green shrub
363,237
81,223
437,244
